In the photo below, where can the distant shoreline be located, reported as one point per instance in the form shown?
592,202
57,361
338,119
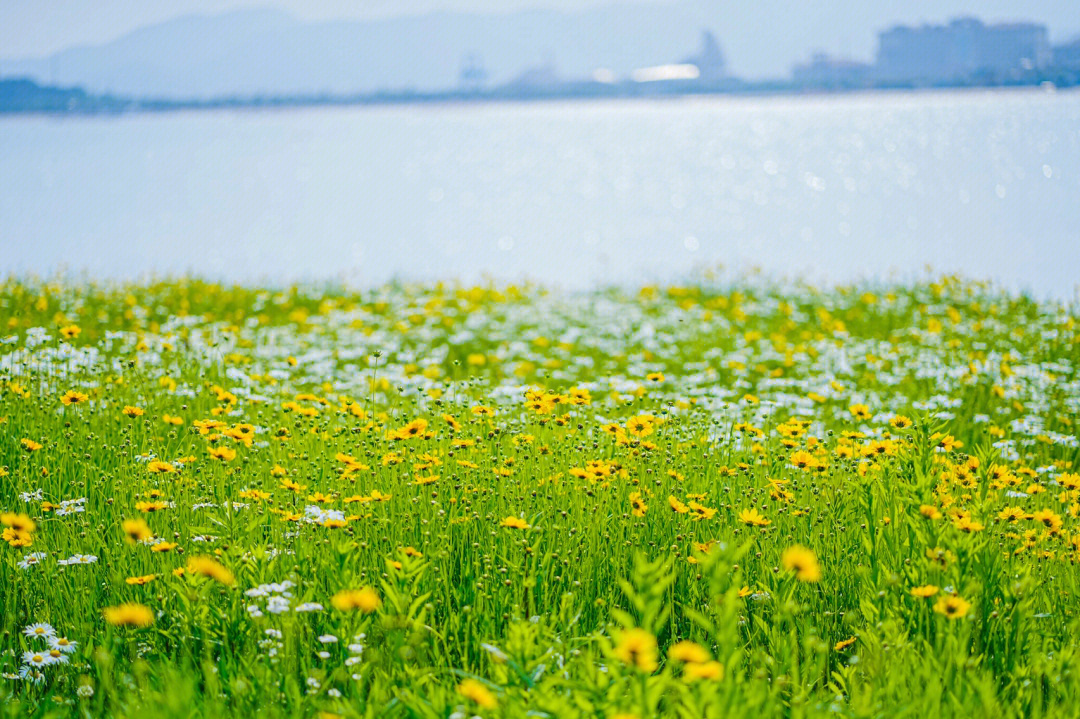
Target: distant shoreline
65,102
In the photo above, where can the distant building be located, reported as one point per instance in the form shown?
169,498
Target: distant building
473,75
964,48
540,77
1067,56
709,59
830,72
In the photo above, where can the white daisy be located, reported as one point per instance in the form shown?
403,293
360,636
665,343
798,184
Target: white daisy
78,559
63,644
31,560
40,630
31,674
57,657
37,659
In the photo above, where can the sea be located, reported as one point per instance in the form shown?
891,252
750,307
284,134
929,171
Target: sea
871,187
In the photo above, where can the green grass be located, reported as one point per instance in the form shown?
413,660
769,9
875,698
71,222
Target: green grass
584,509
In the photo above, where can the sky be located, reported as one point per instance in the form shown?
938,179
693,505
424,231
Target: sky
34,28
39,28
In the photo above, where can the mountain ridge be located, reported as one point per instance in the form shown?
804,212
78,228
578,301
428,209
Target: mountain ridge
267,50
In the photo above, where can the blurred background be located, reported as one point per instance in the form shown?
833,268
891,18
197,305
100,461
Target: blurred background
568,142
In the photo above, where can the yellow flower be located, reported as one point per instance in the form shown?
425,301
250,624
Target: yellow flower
514,523
18,522
133,411
70,332
677,506
15,538
707,670
753,518
701,511
30,445
803,460
225,454
952,607
72,397
1069,480
477,692
210,567
159,467
1012,514
947,442
163,547
803,562
1048,518
859,411
637,648
844,644
145,579
641,426
365,599
924,592
137,530
929,511
967,524
688,652
413,429
129,615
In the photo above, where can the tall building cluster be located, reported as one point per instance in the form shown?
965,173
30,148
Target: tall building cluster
964,48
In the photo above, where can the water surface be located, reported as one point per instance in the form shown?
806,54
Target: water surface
574,193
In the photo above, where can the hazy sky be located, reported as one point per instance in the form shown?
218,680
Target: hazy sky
41,27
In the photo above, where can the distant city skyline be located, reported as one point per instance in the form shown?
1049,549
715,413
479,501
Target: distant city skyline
843,27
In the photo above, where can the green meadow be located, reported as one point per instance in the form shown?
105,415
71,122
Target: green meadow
737,497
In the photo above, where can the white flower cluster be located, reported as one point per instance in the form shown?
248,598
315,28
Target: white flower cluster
318,515
35,660
277,596
77,559
71,506
32,560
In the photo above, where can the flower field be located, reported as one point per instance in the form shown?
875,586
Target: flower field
733,498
